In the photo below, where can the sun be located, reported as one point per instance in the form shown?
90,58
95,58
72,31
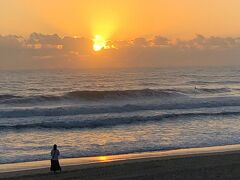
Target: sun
99,43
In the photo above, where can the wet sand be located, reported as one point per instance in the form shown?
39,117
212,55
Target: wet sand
220,163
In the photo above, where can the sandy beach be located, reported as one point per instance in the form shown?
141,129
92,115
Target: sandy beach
199,163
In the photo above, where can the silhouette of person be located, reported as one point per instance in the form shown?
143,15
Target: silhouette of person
55,166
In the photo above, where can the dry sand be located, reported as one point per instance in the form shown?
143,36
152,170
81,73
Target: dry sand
222,165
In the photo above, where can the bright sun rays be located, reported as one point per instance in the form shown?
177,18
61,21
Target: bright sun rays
99,43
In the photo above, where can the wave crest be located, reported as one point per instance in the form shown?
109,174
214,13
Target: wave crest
93,96
110,95
109,122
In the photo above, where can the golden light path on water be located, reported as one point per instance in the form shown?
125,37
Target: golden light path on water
119,158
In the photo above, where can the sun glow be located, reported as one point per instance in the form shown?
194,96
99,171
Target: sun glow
99,43
103,158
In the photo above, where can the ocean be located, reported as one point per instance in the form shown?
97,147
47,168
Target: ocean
106,112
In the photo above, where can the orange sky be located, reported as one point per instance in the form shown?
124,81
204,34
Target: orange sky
121,19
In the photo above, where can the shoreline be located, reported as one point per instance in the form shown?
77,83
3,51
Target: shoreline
74,164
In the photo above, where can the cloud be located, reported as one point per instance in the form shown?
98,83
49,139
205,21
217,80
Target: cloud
81,45
11,41
212,42
38,38
52,51
140,42
160,40
120,44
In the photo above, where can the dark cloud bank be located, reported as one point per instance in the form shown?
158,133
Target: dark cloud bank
51,51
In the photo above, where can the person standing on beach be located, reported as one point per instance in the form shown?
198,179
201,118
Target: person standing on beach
55,166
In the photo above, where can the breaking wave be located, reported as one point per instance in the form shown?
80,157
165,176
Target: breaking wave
110,95
189,103
110,122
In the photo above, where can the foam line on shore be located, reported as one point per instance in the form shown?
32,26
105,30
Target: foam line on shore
15,167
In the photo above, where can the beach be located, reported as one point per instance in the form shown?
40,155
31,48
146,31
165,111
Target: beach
168,123
199,163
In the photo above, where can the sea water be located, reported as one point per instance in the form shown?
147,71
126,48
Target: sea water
103,112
